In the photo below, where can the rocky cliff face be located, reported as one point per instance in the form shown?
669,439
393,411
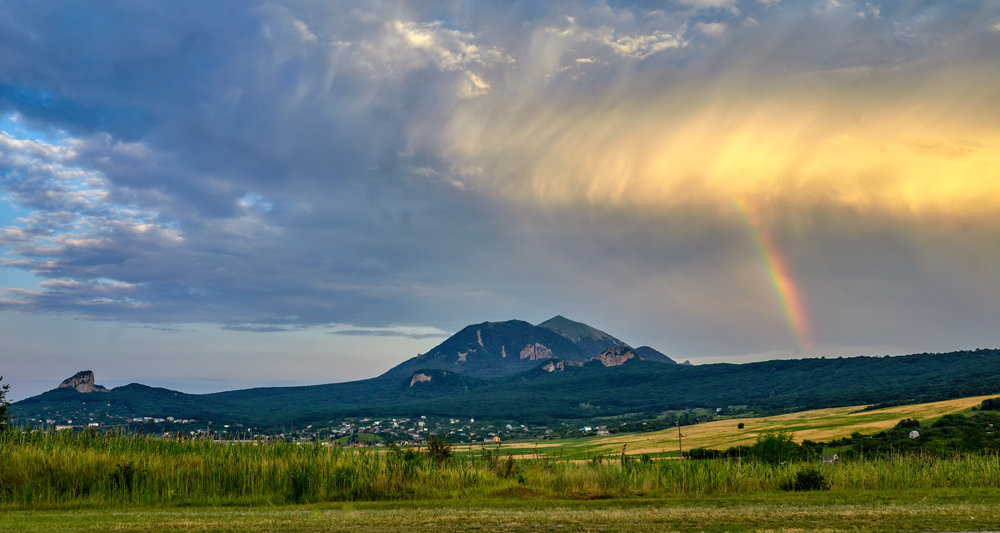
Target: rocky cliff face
535,351
82,382
616,355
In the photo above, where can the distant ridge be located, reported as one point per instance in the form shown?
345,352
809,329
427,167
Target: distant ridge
651,354
551,389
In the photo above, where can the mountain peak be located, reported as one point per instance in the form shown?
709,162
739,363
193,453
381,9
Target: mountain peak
591,341
492,349
82,381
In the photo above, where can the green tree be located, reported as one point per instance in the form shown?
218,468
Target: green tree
4,414
775,447
990,404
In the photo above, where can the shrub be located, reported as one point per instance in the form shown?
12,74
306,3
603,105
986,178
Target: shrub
123,477
807,479
438,450
299,477
507,468
702,453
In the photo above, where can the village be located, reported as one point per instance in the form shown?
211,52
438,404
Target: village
348,432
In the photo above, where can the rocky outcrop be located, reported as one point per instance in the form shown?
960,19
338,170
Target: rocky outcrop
554,366
616,355
534,352
419,377
82,382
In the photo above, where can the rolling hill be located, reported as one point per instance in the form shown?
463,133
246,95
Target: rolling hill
817,425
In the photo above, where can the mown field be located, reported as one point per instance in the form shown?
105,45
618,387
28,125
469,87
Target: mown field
816,425
896,510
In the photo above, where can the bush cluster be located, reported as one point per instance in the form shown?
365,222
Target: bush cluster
807,479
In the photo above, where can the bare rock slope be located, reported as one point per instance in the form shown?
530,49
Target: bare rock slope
82,381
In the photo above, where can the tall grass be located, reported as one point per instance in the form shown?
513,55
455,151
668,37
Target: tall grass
86,469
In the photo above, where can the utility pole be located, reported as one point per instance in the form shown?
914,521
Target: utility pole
680,447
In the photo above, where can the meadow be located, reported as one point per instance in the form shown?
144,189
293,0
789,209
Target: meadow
38,470
135,483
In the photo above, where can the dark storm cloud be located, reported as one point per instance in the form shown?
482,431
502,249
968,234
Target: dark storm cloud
270,166
264,181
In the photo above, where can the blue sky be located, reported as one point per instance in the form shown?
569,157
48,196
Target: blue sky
211,196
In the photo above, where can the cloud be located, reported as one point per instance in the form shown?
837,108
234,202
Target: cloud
711,4
257,328
635,45
274,167
793,146
869,10
388,332
444,48
712,29
780,122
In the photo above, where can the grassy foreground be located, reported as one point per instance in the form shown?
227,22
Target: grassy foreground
39,469
898,510
100,482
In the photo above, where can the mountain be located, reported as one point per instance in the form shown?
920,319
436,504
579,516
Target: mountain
497,349
591,341
492,349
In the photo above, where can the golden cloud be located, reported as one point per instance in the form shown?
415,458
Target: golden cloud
897,142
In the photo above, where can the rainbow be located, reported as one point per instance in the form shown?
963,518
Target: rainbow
785,290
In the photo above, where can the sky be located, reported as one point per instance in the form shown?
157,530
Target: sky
209,196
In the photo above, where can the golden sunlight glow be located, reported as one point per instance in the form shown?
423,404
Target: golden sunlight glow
888,149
